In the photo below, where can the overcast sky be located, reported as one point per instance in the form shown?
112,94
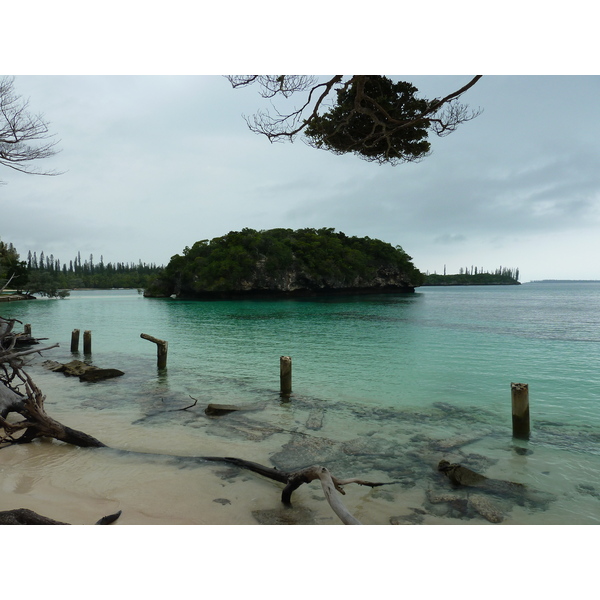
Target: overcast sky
153,163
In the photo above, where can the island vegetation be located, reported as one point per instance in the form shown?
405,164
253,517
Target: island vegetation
284,262
44,275
474,276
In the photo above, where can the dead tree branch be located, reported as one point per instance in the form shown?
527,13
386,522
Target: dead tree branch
24,137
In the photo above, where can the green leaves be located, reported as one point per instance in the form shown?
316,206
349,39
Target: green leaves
376,119
269,260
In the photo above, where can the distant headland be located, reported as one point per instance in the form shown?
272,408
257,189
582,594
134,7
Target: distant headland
475,276
565,281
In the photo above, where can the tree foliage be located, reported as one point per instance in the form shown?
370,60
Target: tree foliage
12,269
372,117
24,137
475,276
269,260
46,276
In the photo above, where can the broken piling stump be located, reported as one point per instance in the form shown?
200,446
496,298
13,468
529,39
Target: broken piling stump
161,349
87,342
520,410
75,340
285,375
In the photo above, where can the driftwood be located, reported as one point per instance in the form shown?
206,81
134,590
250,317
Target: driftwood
19,395
24,516
294,479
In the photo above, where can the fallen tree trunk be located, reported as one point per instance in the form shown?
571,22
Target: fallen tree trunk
24,516
20,395
294,479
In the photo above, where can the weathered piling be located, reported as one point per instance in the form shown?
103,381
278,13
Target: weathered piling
87,342
520,410
285,375
27,329
161,349
75,340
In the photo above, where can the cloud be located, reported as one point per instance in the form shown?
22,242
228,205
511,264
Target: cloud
154,164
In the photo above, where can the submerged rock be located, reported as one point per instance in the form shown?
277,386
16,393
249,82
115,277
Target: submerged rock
85,372
285,516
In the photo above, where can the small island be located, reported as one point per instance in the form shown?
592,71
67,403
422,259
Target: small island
279,263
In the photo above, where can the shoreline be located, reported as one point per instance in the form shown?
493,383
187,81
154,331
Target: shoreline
15,297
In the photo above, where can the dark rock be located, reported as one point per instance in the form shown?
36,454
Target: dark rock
216,410
85,372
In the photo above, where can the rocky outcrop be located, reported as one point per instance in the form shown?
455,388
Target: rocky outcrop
85,372
295,283
286,263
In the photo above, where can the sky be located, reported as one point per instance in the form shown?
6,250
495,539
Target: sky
155,161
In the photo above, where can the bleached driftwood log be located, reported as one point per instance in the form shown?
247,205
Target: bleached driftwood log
294,479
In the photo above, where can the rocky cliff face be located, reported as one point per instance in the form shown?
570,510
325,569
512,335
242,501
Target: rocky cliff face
296,280
295,283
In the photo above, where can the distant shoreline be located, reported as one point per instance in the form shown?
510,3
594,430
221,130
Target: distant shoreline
565,281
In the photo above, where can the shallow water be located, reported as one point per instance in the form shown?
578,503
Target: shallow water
384,388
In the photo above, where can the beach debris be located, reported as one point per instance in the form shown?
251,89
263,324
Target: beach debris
85,372
24,516
294,479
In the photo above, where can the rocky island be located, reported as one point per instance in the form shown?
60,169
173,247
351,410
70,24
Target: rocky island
286,263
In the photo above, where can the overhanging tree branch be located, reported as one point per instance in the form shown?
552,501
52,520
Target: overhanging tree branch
372,117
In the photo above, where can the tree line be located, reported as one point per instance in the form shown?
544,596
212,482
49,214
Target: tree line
45,275
475,276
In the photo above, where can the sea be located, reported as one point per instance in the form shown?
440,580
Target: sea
384,387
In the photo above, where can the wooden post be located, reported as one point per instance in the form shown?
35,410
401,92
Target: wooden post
87,342
285,375
520,410
161,349
75,340
27,329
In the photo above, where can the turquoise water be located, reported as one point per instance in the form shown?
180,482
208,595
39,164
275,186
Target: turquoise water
387,385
